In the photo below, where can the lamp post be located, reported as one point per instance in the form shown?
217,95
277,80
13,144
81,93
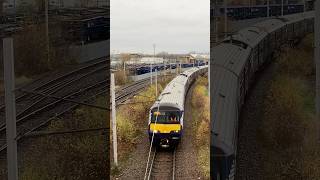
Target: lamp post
268,8
225,18
317,59
281,7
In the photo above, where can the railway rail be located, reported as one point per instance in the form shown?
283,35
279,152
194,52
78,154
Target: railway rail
130,90
35,111
163,165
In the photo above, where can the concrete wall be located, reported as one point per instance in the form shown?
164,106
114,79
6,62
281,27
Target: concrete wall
90,51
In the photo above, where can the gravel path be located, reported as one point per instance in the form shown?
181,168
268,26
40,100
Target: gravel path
136,164
250,155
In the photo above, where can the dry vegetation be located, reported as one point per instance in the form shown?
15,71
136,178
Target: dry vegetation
121,77
70,156
201,116
289,132
31,56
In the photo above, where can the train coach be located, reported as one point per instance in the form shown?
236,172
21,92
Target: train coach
167,113
234,64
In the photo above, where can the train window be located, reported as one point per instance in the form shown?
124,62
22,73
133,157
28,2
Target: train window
166,117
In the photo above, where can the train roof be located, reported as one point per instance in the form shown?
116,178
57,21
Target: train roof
293,18
173,94
250,35
309,14
270,25
224,109
230,56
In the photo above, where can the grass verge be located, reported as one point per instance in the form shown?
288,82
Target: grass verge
289,131
201,115
70,156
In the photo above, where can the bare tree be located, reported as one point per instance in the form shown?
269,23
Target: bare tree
1,6
40,4
124,57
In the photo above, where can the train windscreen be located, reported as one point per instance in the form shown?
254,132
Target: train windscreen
166,117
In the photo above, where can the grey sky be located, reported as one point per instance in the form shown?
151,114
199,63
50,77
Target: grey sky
175,26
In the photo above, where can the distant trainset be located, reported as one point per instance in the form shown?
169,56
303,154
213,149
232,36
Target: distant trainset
256,11
143,69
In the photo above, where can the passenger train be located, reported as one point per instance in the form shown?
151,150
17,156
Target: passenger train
234,64
167,113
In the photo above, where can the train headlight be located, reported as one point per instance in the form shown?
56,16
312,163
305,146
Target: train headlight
176,131
155,131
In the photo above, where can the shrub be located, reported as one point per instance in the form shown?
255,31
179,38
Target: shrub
70,156
296,63
284,124
126,127
121,77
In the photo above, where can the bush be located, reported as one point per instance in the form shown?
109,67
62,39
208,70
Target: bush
30,51
284,125
121,77
298,62
201,115
126,129
70,156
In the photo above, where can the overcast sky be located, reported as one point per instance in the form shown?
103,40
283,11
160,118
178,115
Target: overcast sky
175,26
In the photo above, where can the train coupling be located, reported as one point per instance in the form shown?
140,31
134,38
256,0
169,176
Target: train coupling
164,143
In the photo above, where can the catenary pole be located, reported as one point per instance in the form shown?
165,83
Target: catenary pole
268,8
114,121
225,18
281,7
11,130
47,30
156,83
317,59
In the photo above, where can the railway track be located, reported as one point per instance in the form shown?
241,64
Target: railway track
35,111
41,110
163,165
130,90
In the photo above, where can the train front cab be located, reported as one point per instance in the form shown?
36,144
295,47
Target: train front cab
167,126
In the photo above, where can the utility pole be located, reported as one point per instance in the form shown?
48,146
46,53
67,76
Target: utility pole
15,11
281,7
225,18
209,75
215,19
216,26
47,30
154,55
317,59
114,121
10,106
156,83
268,8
